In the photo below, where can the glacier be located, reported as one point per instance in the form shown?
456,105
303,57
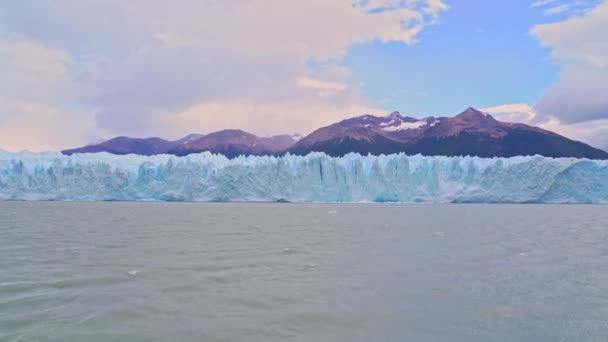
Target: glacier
312,178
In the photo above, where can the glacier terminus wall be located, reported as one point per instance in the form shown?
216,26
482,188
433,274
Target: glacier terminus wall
313,178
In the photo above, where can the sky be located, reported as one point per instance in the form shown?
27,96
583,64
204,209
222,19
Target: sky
76,72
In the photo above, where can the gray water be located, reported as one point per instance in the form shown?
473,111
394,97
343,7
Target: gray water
302,272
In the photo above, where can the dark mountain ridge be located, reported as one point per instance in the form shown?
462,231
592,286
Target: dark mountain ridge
230,142
471,133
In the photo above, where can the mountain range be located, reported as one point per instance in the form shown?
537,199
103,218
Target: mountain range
471,132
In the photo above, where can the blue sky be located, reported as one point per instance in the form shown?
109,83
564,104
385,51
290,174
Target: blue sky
479,54
76,72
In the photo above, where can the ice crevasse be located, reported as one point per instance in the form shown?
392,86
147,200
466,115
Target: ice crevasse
312,178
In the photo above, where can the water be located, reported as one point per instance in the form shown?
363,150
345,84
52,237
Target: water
275,272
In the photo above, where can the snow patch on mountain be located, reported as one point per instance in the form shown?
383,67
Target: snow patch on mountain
405,126
432,124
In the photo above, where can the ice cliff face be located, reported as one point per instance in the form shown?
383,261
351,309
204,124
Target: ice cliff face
313,178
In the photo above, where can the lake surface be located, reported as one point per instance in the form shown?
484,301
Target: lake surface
302,272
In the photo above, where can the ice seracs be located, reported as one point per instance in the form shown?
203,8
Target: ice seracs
312,178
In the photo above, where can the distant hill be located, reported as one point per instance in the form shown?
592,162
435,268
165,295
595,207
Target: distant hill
230,143
234,142
469,133
126,145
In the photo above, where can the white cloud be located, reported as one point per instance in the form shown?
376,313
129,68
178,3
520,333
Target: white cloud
557,9
156,60
593,132
277,28
32,71
41,127
431,7
541,3
267,118
580,47
516,112
579,40
34,58
323,88
35,82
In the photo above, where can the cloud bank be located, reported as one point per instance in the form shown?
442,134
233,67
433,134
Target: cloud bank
579,45
87,69
575,106
74,72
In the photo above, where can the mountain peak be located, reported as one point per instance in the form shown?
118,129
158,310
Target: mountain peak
189,138
474,114
395,115
472,111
